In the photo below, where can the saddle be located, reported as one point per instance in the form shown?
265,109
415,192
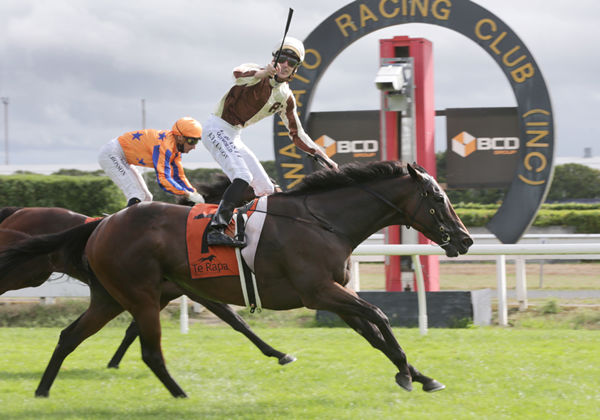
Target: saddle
206,261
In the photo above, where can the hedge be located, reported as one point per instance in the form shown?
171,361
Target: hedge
585,218
97,195
90,195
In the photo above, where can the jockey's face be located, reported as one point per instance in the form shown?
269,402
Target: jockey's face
184,145
285,66
188,147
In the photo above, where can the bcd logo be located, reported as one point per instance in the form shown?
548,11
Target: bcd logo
463,144
359,148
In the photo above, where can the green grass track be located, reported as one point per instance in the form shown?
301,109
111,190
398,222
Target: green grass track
490,373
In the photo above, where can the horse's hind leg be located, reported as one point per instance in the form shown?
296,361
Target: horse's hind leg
142,296
228,315
101,310
147,318
169,293
374,337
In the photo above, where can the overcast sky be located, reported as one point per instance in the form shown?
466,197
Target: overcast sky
75,71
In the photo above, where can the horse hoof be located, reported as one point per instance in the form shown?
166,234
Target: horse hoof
433,386
287,359
404,380
41,394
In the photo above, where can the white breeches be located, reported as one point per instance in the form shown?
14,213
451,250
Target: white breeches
224,143
126,176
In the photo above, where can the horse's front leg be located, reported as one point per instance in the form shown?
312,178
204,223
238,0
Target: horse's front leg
131,334
349,306
228,315
374,337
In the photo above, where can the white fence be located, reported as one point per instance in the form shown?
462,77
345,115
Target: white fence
66,286
500,251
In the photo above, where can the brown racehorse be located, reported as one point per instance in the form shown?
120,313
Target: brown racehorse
301,257
18,223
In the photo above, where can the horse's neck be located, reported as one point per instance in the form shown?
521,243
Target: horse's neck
356,213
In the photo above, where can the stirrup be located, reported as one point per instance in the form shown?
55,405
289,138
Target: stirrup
216,237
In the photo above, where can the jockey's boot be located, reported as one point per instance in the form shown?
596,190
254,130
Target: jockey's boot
132,201
216,230
232,197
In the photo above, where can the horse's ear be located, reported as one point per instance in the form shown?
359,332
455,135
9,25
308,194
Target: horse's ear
414,174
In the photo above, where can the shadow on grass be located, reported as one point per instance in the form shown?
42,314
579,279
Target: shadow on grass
176,408
91,374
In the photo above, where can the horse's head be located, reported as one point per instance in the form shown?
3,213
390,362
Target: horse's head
213,190
433,215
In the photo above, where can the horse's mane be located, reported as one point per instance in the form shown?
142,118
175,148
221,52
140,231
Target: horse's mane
323,180
7,211
348,174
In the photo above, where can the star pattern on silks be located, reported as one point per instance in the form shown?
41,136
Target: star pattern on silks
141,162
162,135
136,136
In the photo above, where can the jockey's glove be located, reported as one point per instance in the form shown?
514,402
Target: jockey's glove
195,197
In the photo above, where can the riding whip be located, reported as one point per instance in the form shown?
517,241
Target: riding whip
287,26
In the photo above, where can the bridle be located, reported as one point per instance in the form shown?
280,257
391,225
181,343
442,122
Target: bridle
411,219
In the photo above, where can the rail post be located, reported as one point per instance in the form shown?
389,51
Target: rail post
501,278
521,283
183,317
421,296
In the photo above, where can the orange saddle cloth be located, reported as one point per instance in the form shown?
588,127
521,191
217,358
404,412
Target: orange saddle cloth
209,261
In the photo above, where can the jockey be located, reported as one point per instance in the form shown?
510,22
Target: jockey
258,92
158,149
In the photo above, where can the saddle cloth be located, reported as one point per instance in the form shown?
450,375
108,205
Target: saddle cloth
217,261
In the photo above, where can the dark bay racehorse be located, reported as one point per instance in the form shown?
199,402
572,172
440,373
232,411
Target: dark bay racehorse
301,258
17,224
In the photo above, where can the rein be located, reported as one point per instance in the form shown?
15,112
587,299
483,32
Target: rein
320,222
324,224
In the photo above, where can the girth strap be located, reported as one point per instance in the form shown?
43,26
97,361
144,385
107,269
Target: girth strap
247,278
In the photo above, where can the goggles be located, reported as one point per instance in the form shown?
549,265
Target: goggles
292,61
192,141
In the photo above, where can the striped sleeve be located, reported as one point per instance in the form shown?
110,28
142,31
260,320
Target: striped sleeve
179,175
161,158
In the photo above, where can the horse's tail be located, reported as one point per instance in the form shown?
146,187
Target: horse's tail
7,211
71,243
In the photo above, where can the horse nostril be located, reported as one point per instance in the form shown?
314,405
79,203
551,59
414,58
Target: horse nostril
467,242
